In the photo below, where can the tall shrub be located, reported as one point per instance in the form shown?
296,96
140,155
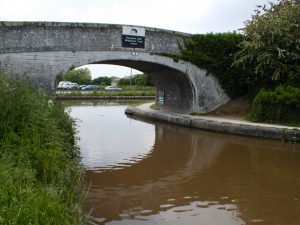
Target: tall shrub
271,48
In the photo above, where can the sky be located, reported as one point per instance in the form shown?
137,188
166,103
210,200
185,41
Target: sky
190,16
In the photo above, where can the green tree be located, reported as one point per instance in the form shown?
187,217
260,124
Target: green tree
271,48
102,81
142,80
124,81
138,79
80,76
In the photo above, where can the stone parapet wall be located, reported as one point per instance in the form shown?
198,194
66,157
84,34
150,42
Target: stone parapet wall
54,36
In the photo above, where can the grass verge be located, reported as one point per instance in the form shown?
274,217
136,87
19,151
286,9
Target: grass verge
40,172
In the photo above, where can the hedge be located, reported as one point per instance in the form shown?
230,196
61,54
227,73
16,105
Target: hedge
281,105
215,53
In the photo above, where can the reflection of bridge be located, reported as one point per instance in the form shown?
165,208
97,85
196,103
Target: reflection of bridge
42,51
209,167
177,157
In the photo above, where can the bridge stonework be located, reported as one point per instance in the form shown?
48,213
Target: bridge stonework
41,52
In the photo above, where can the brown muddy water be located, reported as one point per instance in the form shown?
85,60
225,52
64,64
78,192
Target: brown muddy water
143,172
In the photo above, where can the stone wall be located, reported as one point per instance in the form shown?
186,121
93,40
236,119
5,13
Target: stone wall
50,36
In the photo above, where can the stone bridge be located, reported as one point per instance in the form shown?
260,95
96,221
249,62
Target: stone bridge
42,52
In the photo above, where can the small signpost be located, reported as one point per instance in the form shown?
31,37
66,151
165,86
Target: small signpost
133,37
161,98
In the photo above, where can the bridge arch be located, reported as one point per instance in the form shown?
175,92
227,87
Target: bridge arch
42,51
178,88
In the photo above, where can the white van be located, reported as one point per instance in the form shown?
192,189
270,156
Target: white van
112,88
67,85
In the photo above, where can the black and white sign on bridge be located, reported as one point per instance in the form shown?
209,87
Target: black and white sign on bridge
133,37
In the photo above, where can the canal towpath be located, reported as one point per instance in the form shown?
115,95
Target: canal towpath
219,124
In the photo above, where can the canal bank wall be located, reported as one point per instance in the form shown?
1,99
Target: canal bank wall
65,97
223,125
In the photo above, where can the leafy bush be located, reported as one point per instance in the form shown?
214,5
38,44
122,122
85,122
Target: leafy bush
215,53
40,173
271,48
279,106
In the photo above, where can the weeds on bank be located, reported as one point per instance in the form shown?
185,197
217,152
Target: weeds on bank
154,107
40,173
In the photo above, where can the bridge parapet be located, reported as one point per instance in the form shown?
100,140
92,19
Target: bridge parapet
55,36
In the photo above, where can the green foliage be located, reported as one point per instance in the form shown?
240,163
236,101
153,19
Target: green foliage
154,107
267,55
271,48
104,81
139,80
124,81
142,80
40,173
138,88
279,106
215,53
79,76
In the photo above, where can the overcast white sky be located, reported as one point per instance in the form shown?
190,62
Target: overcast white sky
190,16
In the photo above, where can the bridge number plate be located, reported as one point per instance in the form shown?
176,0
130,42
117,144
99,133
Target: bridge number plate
133,37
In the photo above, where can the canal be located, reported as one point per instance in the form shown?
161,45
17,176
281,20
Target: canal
143,172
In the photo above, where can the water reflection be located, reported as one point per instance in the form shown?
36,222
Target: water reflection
195,177
102,132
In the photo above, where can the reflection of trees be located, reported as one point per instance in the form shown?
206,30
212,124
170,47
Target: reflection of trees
254,174
266,184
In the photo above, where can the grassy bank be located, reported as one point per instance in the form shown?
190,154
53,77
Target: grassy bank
40,172
138,88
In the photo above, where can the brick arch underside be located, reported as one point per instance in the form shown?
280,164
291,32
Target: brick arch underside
177,87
